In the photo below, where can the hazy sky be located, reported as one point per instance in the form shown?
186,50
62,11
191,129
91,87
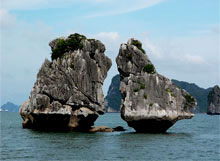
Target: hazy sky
181,37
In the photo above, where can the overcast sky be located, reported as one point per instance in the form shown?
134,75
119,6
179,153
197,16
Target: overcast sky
181,37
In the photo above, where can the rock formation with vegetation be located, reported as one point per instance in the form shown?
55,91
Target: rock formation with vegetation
68,91
150,101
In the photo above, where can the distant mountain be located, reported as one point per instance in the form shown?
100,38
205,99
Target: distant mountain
113,98
10,107
199,93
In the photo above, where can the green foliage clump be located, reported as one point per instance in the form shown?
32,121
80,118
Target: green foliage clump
73,42
138,45
168,90
151,104
91,39
189,98
136,89
142,86
145,96
149,68
59,50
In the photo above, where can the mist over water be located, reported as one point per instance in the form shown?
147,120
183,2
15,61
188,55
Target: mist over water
194,139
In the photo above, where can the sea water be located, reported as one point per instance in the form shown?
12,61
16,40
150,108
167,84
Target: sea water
194,139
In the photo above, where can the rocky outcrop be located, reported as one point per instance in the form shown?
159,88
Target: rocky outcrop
113,98
150,101
68,91
214,101
106,129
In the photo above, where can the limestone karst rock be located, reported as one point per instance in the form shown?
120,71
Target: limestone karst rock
150,101
68,91
214,101
113,98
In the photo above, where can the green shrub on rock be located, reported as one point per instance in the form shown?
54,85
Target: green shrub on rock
73,42
149,68
142,86
189,99
138,45
168,90
59,50
136,89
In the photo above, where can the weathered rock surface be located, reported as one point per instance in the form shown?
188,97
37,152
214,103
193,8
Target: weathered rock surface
68,91
214,101
150,101
113,98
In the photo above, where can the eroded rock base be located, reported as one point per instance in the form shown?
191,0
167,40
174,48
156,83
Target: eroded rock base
45,122
151,126
79,120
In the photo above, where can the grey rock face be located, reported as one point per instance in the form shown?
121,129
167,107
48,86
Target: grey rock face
150,101
214,101
68,91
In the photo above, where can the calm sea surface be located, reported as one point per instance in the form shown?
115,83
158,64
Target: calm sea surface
194,139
